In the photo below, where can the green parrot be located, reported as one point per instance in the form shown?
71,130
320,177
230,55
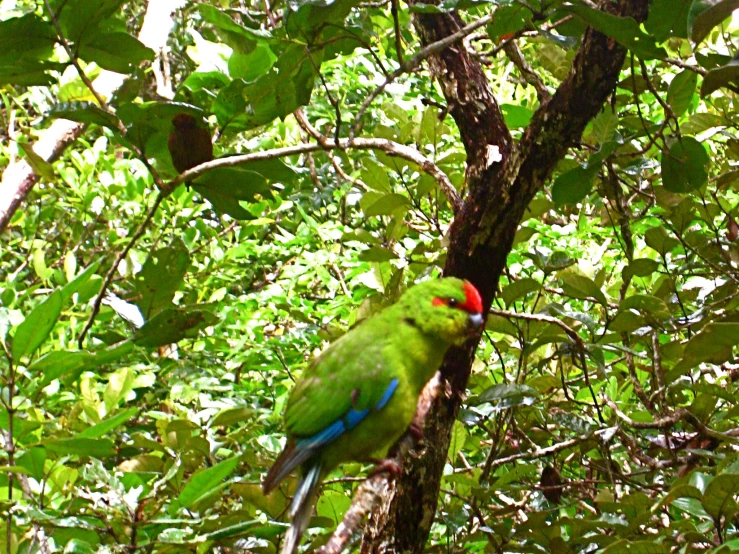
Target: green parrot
358,397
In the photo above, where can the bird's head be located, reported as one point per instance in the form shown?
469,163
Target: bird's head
184,121
450,309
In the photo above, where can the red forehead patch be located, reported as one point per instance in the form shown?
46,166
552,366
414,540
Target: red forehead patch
473,300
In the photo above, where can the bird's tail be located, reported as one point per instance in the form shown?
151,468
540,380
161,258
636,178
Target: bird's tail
302,507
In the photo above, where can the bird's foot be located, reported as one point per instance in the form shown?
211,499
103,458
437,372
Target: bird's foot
386,465
416,431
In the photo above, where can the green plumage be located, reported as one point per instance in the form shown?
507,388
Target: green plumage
364,387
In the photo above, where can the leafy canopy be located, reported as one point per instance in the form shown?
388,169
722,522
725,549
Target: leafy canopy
602,410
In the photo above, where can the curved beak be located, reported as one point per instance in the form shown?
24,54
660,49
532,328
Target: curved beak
476,321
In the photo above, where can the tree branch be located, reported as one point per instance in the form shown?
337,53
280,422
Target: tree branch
532,77
387,146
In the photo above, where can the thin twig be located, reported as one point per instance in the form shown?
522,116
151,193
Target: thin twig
398,38
415,61
670,420
657,368
574,336
540,453
113,268
75,62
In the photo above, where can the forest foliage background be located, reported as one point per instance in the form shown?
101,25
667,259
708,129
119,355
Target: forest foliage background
151,330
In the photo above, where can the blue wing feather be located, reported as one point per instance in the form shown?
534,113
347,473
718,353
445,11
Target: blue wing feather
386,395
347,423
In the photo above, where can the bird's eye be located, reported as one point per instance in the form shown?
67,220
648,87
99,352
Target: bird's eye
452,302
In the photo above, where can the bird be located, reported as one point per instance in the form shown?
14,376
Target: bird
189,142
359,396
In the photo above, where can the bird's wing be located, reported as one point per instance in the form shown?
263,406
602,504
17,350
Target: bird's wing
347,382
338,391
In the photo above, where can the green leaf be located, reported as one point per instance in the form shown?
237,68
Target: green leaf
242,39
206,81
583,287
720,77
691,506
631,546
647,304
515,116
79,281
605,127
375,176
377,254
57,364
171,325
40,166
700,122
226,187
119,52
713,344
27,38
681,90
668,18
36,326
641,267
203,482
230,416
18,470
524,234
33,461
519,289
508,19
500,324
275,171
683,490
389,204
77,546
658,239
162,275
84,112
718,498
684,167
458,438
307,17
96,448
704,15
242,527
573,186
287,86
624,29
107,425
223,201
727,178
506,395
28,72
120,384
81,19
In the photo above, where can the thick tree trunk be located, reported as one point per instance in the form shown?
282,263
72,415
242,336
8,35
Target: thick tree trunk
482,234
